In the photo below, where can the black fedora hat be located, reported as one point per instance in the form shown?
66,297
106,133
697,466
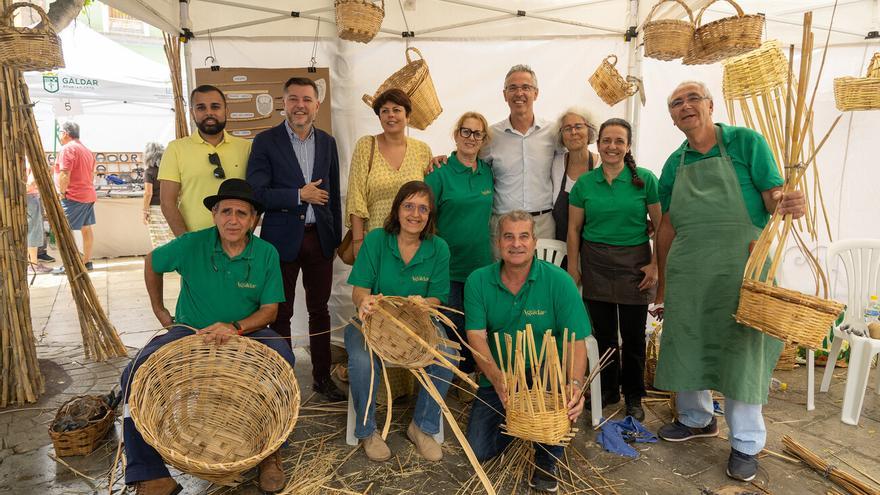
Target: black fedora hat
234,189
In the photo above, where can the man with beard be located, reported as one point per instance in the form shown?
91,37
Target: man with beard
193,167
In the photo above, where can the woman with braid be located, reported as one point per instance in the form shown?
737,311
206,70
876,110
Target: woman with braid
618,268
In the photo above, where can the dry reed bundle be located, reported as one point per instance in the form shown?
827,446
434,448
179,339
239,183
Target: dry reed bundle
414,79
859,93
845,480
29,48
785,314
181,117
726,37
215,411
611,87
668,39
358,20
401,329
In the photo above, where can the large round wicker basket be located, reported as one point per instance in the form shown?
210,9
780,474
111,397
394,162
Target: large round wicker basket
215,411
358,20
384,333
859,93
756,72
414,79
29,48
668,39
609,84
525,420
724,38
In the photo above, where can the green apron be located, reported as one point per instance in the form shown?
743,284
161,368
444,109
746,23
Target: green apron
702,347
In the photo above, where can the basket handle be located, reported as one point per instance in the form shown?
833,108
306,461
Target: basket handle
609,57
687,9
368,100
409,60
739,10
7,15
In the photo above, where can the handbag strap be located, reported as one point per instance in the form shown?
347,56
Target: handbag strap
372,152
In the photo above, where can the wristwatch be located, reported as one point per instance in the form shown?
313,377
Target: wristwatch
577,383
237,327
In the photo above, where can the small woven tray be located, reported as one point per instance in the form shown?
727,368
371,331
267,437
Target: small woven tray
358,20
756,73
668,39
611,87
724,38
29,48
550,427
414,79
84,440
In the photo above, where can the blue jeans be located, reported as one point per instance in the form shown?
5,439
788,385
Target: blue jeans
456,301
747,431
427,412
487,441
143,462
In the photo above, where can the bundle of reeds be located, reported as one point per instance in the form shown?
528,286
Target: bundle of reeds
845,480
181,117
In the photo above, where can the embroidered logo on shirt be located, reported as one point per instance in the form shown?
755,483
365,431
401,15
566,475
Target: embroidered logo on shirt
487,192
246,285
420,278
534,312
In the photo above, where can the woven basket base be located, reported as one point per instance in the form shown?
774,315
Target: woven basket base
551,427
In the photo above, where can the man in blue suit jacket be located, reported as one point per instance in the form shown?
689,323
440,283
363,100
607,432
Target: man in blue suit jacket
294,171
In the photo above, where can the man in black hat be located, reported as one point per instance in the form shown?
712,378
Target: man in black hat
230,285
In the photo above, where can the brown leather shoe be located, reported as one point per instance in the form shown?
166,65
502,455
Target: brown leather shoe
426,446
159,486
271,474
376,448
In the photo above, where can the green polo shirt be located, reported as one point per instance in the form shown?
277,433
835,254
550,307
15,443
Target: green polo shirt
463,198
615,213
753,163
548,300
214,287
380,268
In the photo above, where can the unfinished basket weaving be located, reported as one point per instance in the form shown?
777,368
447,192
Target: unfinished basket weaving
29,48
414,79
609,84
668,39
82,441
859,93
383,330
358,20
724,38
756,72
215,411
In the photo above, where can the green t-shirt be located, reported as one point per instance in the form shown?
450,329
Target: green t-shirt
463,198
214,287
379,267
548,300
615,213
753,163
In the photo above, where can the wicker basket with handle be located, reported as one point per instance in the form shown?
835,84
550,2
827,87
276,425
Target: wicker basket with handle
859,93
29,48
724,38
82,441
668,39
414,79
358,20
755,73
611,87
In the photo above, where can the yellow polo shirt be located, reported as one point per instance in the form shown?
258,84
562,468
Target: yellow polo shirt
186,162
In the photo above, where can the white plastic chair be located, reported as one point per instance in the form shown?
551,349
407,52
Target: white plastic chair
553,251
861,261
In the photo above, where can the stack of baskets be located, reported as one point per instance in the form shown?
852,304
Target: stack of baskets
358,20
29,48
81,441
668,39
859,93
724,38
215,411
414,79
611,87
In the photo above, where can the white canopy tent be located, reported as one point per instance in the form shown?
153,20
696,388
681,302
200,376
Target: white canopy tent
470,45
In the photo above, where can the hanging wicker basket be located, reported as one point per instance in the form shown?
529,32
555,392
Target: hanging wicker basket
609,84
755,73
668,39
215,411
358,20
384,334
29,48
859,93
414,80
724,38
82,441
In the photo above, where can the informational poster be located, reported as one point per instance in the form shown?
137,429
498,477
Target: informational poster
255,96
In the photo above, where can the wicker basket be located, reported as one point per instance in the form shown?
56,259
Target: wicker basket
724,38
383,333
84,440
652,354
668,39
788,359
874,66
859,93
414,80
358,20
523,420
215,411
29,48
786,314
609,84
756,73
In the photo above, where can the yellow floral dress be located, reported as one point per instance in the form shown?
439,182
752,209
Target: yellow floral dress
370,193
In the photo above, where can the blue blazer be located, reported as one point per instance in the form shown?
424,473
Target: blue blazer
276,177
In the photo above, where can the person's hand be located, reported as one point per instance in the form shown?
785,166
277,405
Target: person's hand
313,194
650,278
146,217
218,332
164,316
576,404
417,299
575,274
368,305
356,246
657,310
790,203
500,389
436,162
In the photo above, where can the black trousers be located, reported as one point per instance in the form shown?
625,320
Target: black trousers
627,367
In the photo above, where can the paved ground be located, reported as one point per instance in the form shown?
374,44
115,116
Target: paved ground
317,455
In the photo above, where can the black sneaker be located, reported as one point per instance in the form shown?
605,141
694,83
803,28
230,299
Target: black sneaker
329,390
677,432
543,482
742,467
634,408
45,257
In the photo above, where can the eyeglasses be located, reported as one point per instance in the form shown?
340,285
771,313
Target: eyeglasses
691,99
571,129
466,133
513,88
411,207
214,159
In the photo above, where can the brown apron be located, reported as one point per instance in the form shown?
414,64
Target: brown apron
613,273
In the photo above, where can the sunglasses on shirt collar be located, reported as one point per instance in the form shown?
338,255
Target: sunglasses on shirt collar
214,159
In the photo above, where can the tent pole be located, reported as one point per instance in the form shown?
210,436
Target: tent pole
187,48
633,108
